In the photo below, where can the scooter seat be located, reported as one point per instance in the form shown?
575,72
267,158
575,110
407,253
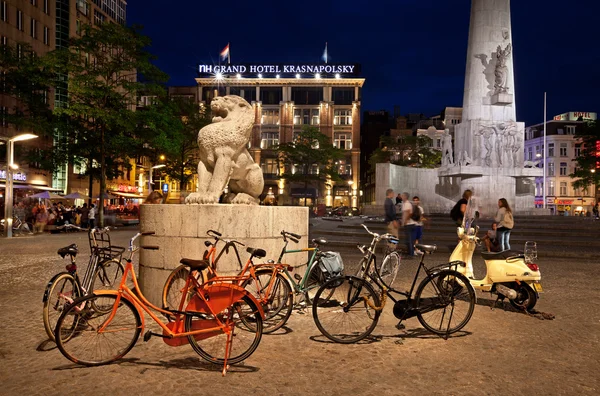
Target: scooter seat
426,248
503,255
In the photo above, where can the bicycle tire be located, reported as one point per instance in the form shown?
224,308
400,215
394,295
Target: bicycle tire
447,288
211,346
388,269
76,336
108,275
278,305
341,322
63,287
172,290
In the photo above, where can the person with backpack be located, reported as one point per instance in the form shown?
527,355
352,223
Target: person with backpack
390,213
458,211
417,216
409,224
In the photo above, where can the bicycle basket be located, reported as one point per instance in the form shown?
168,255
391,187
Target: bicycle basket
101,247
332,264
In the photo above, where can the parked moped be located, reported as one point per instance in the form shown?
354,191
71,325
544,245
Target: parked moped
508,274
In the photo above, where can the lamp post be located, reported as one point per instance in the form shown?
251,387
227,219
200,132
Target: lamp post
150,178
539,156
10,166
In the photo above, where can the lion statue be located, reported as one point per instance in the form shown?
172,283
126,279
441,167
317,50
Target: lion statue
224,157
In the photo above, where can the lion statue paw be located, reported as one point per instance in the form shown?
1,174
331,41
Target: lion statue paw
202,199
244,199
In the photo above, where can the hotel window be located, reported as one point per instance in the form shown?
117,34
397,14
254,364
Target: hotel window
563,149
98,17
307,95
269,139
577,150
46,8
33,28
563,189
342,140
306,116
82,6
342,96
20,20
269,166
563,169
550,149
342,117
550,168
570,129
551,187
46,35
78,27
270,117
343,167
271,96
530,154
4,11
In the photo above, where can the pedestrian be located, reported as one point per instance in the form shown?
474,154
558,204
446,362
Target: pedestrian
85,211
390,214
595,210
458,211
409,224
419,218
491,239
155,197
504,218
92,215
41,218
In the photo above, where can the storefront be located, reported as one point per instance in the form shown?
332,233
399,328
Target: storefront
569,206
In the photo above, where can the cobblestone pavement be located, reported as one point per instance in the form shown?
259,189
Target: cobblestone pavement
500,351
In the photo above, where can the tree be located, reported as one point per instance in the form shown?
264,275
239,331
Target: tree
413,151
588,163
310,159
103,66
181,151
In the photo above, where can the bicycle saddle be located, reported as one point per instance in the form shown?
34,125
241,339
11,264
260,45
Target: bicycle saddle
70,250
319,241
260,253
426,248
197,265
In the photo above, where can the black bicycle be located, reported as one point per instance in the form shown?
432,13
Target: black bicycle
443,302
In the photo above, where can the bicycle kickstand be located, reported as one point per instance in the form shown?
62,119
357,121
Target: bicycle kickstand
228,344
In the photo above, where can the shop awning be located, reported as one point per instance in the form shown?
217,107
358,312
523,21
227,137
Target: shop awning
127,195
31,186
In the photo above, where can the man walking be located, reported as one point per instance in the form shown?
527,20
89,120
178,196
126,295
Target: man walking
390,213
409,224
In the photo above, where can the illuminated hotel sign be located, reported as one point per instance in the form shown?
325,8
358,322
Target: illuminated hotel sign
16,176
281,69
575,116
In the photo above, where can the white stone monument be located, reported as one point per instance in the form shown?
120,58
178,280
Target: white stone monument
180,230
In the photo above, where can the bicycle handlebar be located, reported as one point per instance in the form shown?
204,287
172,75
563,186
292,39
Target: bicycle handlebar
214,233
290,234
370,232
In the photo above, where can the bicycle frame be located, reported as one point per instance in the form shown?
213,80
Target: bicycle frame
299,287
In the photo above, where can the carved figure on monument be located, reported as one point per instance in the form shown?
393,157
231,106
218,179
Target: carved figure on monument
487,133
501,71
464,159
477,147
500,146
447,154
224,157
515,144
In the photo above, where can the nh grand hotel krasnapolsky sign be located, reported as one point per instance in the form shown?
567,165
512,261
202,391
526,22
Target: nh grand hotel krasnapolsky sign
282,70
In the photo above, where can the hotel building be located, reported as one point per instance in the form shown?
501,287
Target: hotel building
285,99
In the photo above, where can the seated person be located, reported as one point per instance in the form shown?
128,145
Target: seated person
491,242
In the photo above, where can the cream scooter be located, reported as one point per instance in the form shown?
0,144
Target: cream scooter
508,273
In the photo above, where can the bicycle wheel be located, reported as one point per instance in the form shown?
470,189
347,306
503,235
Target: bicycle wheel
445,302
388,269
348,315
108,275
61,292
245,339
78,334
173,288
316,278
279,301
362,267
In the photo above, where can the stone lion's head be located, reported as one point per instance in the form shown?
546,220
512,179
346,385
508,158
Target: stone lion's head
224,107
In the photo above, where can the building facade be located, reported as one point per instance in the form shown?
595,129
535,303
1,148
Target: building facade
560,154
285,99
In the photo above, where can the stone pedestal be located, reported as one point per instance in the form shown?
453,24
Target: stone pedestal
180,232
501,99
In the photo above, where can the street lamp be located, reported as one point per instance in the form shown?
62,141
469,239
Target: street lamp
539,156
10,166
150,178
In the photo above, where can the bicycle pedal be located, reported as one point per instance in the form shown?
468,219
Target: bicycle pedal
147,336
400,326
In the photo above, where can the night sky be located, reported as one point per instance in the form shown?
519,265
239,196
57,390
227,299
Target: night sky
412,52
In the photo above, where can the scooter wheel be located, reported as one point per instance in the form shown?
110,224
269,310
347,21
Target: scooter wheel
526,297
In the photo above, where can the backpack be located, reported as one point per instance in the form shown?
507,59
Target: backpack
416,213
455,212
331,264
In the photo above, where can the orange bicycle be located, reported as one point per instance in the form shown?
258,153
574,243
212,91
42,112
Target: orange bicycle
103,327
266,282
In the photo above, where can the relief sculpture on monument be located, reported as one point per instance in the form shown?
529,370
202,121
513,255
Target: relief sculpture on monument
501,71
224,157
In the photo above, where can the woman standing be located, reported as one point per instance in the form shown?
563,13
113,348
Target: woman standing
504,218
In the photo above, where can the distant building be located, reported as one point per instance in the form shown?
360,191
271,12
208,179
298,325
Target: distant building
562,149
375,124
451,116
434,134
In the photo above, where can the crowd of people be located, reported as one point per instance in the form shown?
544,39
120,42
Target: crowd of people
404,213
